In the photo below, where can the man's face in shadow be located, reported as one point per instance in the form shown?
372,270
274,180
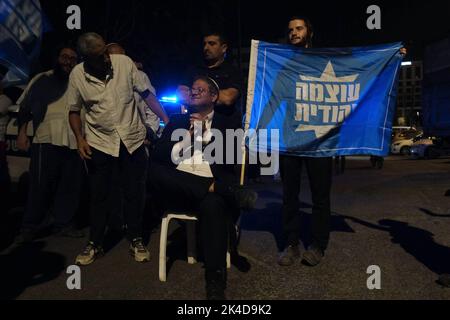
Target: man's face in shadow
67,60
99,58
213,49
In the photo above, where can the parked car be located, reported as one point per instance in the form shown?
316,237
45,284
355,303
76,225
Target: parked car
431,148
403,146
402,133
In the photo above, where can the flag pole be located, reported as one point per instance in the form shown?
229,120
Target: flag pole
249,105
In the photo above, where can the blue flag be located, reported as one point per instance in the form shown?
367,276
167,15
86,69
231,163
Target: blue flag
20,37
325,102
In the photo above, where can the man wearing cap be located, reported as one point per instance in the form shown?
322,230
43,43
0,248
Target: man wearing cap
186,180
229,78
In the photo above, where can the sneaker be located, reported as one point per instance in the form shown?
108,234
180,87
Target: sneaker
289,255
89,254
245,198
313,256
139,251
216,285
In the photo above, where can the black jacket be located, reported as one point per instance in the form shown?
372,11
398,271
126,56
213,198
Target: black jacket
163,149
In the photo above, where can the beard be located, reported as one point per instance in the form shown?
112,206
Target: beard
60,73
302,43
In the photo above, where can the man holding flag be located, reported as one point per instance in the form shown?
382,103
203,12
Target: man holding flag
326,102
300,33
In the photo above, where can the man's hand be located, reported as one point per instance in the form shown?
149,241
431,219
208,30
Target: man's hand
184,95
196,117
155,106
23,142
403,51
83,149
228,97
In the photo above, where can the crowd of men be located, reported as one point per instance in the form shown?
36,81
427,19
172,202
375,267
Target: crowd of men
97,119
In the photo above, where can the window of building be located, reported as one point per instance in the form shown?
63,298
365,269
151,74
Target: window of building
409,73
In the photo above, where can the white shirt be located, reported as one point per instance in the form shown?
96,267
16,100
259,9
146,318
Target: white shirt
54,128
196,164
112,114
149,118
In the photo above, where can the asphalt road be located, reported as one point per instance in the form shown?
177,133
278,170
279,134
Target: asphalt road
396,218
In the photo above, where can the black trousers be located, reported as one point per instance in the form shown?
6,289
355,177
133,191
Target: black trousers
56,176
105,172
182,191
320,174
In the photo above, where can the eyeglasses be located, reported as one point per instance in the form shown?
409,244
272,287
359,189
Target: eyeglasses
199,91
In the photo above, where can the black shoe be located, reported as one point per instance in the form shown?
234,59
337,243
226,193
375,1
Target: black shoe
313,256
289,255
245,198
215,285
444,280
241,263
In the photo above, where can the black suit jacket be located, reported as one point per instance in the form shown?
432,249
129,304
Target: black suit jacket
163,149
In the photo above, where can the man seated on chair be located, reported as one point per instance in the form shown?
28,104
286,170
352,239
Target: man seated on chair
206,189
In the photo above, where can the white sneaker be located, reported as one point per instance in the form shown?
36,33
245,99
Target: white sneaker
139,251
89,255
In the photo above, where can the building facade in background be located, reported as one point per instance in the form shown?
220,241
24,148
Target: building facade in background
409,99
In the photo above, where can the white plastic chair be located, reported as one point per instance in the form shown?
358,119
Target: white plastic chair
190,219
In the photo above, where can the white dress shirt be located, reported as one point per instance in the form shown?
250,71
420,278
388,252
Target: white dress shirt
196,164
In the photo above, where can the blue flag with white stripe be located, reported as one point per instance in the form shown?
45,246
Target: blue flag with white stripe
324,102
20,37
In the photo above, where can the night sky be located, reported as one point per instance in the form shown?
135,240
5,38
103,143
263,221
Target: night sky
166,35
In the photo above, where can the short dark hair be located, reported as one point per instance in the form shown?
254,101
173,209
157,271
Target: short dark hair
309,28
67,46
222,38
213,87
63,46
